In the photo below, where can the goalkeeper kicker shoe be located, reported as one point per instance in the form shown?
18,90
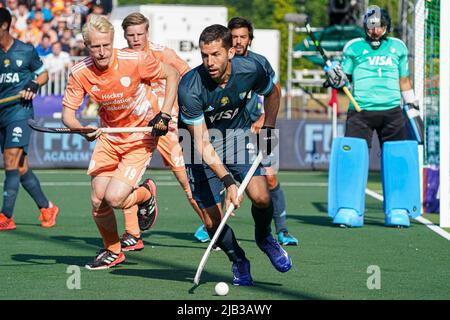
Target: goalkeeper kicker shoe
131,243
6,223
397,218
106,259
241,273
48,216
277,255
148,210
286,239
201,234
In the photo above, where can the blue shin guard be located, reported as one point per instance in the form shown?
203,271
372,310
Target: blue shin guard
401,182
347,179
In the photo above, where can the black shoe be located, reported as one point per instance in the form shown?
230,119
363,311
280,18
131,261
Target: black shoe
106,259
131,243
148,210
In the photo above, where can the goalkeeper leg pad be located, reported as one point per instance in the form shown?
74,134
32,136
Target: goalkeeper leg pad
347,180
401,182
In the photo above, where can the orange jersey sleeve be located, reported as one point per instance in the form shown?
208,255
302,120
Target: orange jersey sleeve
150,68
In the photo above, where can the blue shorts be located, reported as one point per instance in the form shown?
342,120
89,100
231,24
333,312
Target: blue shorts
205,185
15,135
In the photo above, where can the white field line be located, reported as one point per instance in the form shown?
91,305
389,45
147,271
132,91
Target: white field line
420,219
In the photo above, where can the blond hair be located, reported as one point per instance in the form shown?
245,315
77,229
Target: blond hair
135,19
98,23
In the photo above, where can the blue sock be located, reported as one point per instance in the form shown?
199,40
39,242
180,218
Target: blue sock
31,183
279,209
263,219
10,191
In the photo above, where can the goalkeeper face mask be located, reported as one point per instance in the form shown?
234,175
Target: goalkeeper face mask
377,24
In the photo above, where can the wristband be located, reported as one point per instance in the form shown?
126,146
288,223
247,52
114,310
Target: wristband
409,96
227,180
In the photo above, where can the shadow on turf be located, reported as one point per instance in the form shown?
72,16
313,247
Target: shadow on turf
323,207
97,241
45,260
189,237
92,241
325,221
183,275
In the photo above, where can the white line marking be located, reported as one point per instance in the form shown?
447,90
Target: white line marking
420,219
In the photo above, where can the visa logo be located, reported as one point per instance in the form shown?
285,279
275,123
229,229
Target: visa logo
228,114
9,77
380,61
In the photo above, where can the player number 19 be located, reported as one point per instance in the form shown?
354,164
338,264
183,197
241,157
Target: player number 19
130,173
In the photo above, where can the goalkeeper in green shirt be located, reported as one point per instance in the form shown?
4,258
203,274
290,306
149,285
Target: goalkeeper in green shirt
377,67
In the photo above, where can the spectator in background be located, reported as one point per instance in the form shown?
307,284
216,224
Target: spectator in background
107,6
61,25
82,8
48,30
56,61
22,16
67,11
38,19
12,6
97,9
39,6
57,64
45,47
79,48
32,34
58,7
66,40
13,31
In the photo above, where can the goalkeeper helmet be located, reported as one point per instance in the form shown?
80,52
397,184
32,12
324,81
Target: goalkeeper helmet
376,18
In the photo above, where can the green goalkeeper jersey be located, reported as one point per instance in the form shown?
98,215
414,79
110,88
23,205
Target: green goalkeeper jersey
376,73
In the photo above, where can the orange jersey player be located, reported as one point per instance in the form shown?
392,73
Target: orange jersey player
116,79
135,27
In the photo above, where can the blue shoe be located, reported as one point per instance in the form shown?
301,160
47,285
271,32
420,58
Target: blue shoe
348,218
397,218
286,239
201,234
241,273
277,255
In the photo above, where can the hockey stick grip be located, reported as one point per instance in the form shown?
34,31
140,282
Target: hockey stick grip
351,98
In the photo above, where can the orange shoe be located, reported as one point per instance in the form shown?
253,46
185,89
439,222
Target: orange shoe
48,216
6,223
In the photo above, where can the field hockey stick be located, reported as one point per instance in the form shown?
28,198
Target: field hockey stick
230,209
328,63
35,126
9,99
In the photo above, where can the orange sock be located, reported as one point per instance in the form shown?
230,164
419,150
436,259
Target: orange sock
131,221
138,196
107,225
